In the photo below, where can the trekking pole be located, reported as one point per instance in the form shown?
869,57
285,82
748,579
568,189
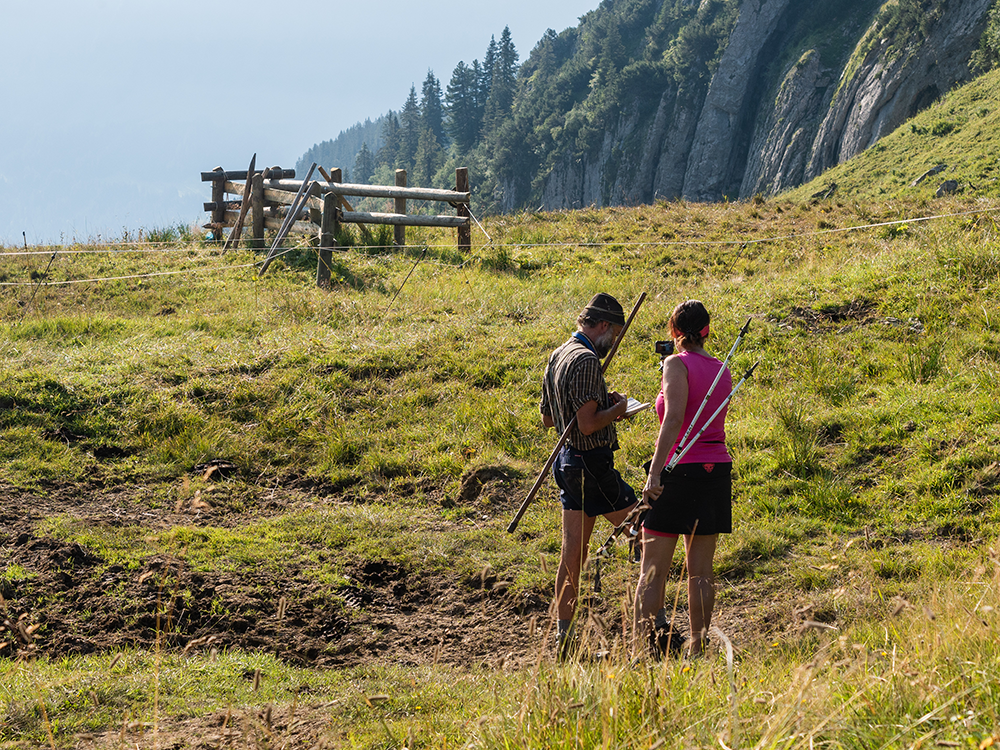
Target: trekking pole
676,458
711,389
642,507
565,436
605,549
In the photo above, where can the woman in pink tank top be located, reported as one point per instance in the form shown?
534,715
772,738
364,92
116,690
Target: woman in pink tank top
695,499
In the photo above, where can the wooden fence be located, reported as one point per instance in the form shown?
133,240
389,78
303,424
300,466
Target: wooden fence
276,200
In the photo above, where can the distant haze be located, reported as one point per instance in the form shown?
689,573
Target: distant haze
112,109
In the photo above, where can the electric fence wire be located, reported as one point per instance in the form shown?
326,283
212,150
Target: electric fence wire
489,240
743,243
155,247
171,247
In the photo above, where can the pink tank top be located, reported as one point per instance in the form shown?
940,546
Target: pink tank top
711,446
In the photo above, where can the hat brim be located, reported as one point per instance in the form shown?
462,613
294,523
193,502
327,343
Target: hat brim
600,313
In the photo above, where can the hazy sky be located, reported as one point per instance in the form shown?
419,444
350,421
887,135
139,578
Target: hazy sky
111,109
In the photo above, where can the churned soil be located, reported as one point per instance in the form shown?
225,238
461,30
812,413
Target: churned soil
65,599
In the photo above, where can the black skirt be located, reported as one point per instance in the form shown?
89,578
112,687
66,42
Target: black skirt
696,499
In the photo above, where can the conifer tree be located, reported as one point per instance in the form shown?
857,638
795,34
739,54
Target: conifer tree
486,72
364,165
479,96
431,108
462,107
410,127
503,83
388,154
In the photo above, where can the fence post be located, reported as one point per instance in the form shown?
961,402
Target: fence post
328,227
399,233
257,208
464,231
219,197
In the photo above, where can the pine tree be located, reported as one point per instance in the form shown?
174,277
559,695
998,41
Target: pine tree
503,83
364,165
486,72
479,95
431,108
462,107
388,154
611,56
507,58
410,127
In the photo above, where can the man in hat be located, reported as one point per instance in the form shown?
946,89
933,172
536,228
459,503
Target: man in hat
589,484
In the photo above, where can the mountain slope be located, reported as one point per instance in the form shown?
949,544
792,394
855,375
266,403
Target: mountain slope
789,91
709,100
960,132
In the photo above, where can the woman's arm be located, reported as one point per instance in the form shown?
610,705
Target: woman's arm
675,394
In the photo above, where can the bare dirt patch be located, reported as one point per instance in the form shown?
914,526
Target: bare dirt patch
65,600
71,602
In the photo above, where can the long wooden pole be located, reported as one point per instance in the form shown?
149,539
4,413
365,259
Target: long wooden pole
404,220
275,173
234,236
289,221
389,191
569,427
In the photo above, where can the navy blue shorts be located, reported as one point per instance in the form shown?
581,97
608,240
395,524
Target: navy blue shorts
588,481
696,498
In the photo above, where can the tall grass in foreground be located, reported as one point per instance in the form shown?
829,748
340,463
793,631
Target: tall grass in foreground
924,676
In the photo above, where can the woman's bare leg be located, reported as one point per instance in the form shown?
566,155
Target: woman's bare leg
657,553
701,587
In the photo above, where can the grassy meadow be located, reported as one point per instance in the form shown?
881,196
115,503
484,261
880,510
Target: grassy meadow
860,587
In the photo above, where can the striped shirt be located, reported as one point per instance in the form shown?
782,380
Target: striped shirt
573,377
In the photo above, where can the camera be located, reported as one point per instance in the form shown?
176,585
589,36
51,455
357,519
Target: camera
664,348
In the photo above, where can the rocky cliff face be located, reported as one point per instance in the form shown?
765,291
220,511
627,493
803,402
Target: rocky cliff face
782,142
748,133
715,160
890,88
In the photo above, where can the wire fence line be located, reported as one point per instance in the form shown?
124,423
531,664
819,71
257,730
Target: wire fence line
154,248
172,246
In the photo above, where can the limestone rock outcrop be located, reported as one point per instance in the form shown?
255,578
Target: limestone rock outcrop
760,128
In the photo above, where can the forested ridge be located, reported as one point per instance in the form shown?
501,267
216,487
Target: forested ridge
610,111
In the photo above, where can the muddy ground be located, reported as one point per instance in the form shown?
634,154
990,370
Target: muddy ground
69,601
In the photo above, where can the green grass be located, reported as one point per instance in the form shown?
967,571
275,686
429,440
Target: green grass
865,454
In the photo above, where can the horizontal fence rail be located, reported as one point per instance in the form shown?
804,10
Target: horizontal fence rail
274,173
274,200
406,220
